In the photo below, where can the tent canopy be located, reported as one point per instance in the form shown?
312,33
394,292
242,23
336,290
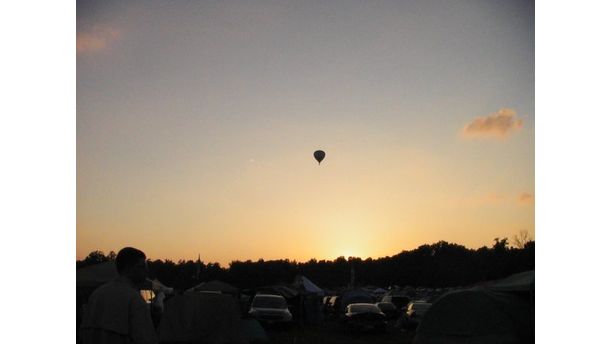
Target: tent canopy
379,291
495,313
524,281
307,286
217,286
356,296
202,318
96,275
93,276
285,291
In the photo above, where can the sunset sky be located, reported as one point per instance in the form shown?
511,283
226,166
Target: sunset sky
197,121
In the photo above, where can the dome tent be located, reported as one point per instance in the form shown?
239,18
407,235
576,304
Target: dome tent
194,317
497,312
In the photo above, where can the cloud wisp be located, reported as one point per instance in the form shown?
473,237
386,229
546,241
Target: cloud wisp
500,124
96,39
525,198
497,199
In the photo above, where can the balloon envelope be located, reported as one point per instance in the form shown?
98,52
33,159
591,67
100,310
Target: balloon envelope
319,155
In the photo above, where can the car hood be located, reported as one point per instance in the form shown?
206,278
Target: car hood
270,310
366,315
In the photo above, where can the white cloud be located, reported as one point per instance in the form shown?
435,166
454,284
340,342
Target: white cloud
500,124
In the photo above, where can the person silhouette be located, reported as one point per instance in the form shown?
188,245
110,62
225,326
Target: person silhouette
116,312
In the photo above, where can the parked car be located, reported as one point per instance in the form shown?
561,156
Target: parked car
391,312
270,309
327,305
400,301
364,317
414,312
333,306
417,309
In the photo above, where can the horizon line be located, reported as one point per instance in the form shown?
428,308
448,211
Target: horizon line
510,245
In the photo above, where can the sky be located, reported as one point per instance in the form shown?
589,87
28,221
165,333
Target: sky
197,121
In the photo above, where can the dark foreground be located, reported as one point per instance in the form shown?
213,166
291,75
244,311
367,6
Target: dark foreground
334,332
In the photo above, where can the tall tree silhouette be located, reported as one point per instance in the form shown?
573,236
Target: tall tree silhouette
440,264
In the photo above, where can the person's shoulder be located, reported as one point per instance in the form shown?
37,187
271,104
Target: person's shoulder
129,291
101,293
103,288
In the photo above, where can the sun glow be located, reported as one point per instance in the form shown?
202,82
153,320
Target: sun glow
348,252
223,164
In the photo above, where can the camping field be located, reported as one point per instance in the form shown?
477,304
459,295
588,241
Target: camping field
332,332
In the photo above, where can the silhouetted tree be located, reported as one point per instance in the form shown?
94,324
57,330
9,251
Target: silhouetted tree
519,240
440,264
94,257
500,244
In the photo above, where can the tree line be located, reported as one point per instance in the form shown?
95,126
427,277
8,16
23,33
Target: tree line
441,264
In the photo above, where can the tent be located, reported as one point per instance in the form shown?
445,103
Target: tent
306,286
287,292
88,279
253,331
355,296
498,312
375,291
215,286
202,318
310,306
379,291
93,276
521,282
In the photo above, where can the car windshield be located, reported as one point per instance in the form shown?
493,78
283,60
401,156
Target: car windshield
269,302
363,308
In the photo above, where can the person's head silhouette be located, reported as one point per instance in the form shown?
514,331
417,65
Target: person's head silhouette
131,263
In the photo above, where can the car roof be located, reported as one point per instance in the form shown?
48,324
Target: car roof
420,303
269,295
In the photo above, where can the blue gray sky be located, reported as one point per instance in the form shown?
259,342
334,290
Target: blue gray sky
196,123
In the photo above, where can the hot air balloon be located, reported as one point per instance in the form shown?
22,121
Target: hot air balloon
319,155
